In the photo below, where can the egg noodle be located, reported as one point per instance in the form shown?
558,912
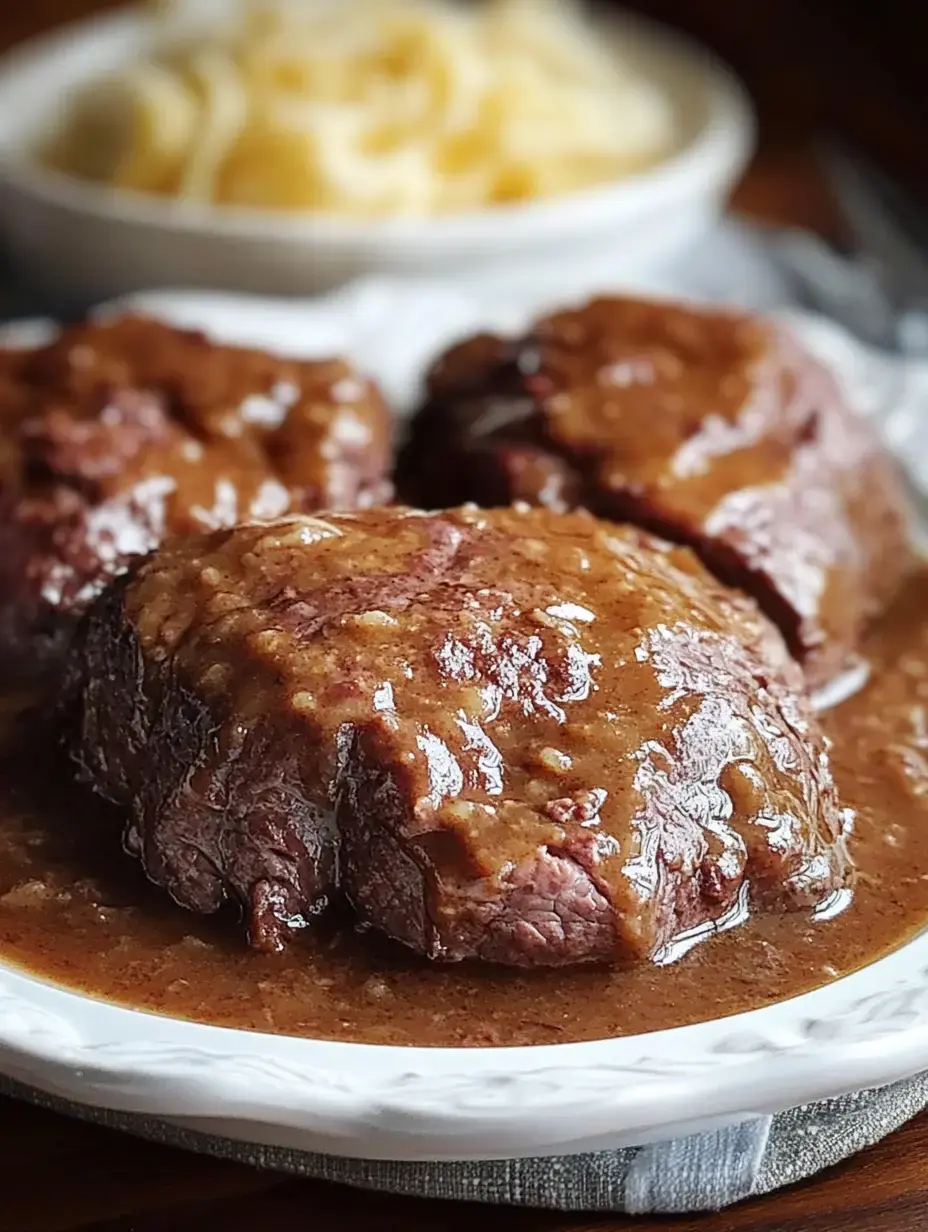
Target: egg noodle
369,108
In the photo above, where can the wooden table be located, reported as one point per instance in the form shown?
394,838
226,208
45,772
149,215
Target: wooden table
57,1174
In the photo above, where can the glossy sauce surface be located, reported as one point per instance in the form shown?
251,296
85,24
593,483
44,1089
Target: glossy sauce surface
133,408
121,433
73,911
713,428
513,735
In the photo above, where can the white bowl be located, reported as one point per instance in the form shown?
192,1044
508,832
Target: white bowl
374,1102
82,242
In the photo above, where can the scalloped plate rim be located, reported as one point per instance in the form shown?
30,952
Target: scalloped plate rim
374,1101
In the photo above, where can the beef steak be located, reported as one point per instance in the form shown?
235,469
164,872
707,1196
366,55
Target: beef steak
713,429
519,736
120,433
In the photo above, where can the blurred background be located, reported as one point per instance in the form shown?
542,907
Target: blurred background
851,66
828,81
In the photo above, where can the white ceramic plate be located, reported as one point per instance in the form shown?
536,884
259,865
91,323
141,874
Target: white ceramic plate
415,1104
84,242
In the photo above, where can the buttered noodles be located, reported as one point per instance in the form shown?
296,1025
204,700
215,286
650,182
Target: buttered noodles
370,108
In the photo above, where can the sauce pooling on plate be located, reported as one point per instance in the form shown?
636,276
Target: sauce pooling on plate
75,910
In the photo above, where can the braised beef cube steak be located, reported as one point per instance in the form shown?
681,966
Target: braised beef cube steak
714,429
519,736
121,433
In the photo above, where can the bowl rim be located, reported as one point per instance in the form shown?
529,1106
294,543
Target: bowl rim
715,154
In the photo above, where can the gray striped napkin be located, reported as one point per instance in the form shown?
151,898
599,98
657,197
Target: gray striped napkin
700,1173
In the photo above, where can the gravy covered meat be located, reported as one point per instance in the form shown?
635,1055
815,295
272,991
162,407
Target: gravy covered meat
713,429
518,736
123,432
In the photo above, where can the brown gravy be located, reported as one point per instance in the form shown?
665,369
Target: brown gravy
75,910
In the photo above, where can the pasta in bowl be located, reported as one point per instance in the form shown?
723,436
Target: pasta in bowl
374,109
243,154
